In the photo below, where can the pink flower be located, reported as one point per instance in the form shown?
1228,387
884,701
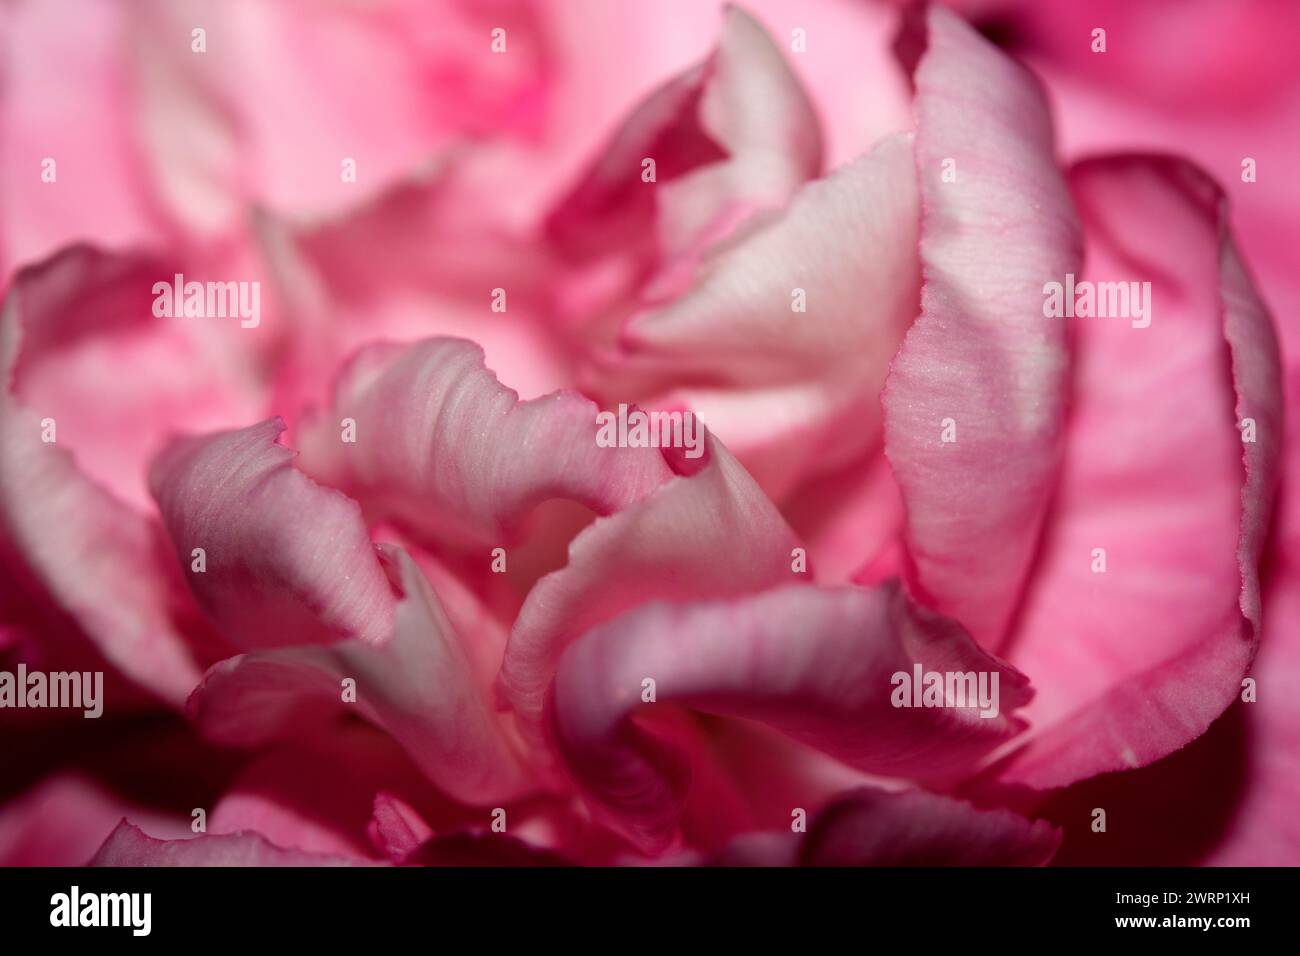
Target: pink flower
972,531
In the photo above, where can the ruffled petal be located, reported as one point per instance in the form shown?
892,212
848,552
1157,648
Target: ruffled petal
422,259
444,448
789,327
734,134
415,683
268,577
1135,661
981,364
819,665
709,534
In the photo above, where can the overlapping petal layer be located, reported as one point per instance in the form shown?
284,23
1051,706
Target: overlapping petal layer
708,534
975,402
414,682
1138,646
237,498
445,448
82,561
817,664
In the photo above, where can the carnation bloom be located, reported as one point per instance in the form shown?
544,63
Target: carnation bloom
972,534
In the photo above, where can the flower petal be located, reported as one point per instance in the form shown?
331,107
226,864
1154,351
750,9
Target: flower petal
817,664
81,559
415,683
117,378
872,827
1135,662
734,134
809,369
445,448
269,578
709,534
130,846
319,794
395,827
66,54
421,77
981,360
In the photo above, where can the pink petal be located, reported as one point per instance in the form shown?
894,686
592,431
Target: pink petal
421,76
78,556
319,795
415,683
729,136
270,579
981,354
421,259
1244,770
842,237
816,664
1263,829
1216,77
64,819
871,827
851,520
773,379
65,98
1134,663
445,448
858,88
118,379
396,827
709,534
130,846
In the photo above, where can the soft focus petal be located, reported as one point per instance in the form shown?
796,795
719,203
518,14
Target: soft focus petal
64,97
130,846
981,360
319,795
269,89
118,378
423,258
415,683
76,555
63,820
